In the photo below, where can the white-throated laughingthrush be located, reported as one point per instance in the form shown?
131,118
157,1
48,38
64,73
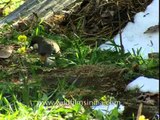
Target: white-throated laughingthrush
46,47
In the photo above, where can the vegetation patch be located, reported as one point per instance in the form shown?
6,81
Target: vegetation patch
67,86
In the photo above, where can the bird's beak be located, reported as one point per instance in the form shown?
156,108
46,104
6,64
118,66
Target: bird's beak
31,47
34,47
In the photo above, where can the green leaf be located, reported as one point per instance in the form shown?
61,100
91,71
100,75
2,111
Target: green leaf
37,31
77,108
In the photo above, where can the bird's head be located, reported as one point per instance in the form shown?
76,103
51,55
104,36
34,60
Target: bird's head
36,40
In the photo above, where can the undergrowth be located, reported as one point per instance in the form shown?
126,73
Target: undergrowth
24,99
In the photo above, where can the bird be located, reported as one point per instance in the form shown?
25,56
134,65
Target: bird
46,47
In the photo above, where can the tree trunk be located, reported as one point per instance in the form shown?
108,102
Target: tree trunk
43,8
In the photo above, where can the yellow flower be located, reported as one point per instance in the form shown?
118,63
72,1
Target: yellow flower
22,38
21,50
142,117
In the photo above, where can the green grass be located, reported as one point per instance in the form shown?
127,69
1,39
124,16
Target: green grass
57,110
9,6
28,100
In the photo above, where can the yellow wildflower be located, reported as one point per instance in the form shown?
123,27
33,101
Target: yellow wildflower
21,50
142,117
22,38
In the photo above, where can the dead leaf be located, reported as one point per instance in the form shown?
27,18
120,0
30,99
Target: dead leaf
152,29
5,51
148,98
153,55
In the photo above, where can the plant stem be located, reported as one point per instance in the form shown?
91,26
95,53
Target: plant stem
120,30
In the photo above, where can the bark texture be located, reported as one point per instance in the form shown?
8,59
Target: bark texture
43,8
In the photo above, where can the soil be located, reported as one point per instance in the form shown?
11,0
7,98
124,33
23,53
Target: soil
95,81
91,81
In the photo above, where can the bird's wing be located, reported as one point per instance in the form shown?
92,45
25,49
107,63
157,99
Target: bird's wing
55,46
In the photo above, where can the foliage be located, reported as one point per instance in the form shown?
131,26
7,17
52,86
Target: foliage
9,5
64,110
27,98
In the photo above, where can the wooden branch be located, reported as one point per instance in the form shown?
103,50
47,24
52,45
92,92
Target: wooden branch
139,111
